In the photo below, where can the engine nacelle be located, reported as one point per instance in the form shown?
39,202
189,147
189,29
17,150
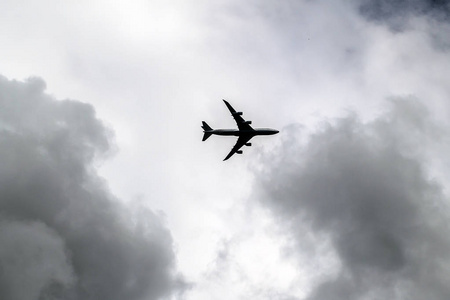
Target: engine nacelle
238,113
248,144
239,152
248,122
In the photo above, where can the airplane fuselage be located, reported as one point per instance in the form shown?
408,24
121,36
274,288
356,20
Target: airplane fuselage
236,132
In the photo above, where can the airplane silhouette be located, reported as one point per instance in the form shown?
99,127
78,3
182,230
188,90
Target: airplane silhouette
244,132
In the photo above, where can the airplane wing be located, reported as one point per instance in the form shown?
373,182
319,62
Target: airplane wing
240,142
241,123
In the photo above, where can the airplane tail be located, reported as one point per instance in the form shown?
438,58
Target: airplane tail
206,129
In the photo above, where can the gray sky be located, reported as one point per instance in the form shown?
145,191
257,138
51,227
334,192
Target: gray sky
108,192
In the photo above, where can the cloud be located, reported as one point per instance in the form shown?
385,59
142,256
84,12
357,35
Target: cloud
396,13
62,234
32,256
366,189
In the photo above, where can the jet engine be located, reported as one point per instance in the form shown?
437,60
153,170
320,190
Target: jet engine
248,122
239,152
238,113
248,144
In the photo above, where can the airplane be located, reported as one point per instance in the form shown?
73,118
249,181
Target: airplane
244,132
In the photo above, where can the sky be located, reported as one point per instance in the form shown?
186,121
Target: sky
108,192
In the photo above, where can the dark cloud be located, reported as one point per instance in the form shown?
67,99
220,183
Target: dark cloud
399,16
396,12
366,189
62,234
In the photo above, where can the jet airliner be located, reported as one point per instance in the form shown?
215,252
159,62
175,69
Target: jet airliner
244,132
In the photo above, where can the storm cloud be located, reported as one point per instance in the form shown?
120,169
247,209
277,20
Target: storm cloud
397,13
385,10
364,188
63,235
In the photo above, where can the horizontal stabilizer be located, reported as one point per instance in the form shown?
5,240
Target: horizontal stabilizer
206,135
206,127
206,131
